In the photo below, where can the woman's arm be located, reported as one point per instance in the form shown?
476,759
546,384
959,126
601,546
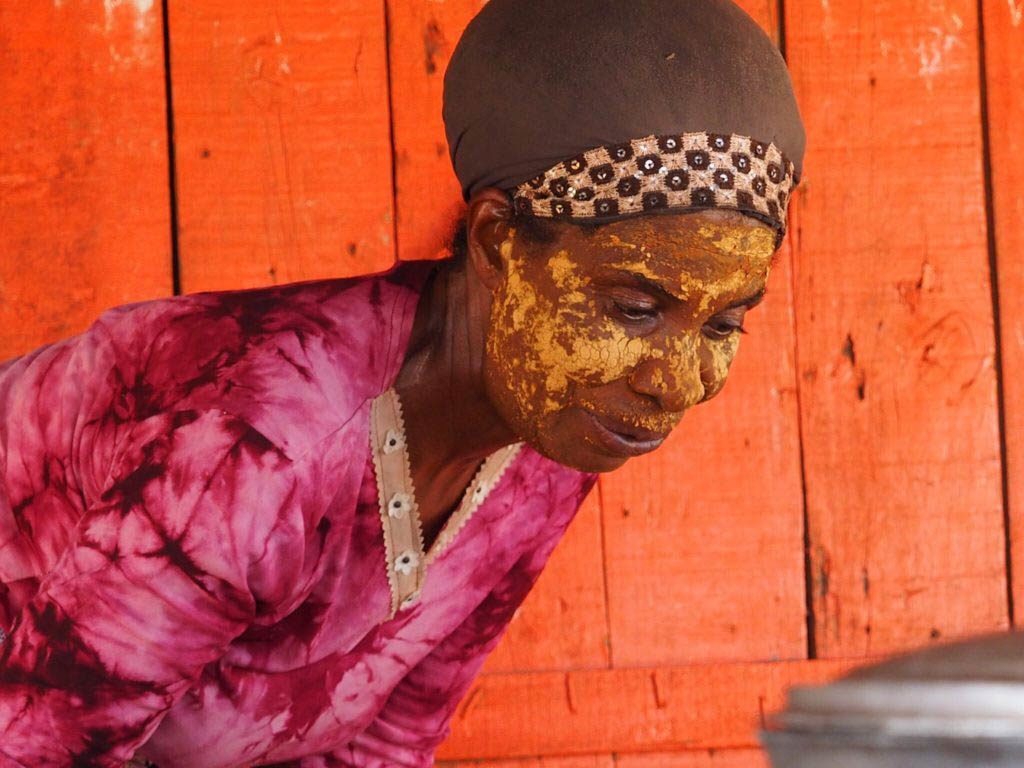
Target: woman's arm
166,568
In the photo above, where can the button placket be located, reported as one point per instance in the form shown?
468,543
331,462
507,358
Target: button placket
403,539
405,557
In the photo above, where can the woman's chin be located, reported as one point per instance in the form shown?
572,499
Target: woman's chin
577,454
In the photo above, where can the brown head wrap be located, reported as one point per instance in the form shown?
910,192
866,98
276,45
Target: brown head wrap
605,108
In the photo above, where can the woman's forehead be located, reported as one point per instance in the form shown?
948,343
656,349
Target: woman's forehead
702,242
709,262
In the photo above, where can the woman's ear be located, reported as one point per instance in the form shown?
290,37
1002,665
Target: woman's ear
487,227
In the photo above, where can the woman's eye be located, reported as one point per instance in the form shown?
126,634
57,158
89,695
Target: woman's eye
634,312
723,327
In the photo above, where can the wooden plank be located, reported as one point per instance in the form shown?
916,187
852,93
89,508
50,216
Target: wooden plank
84,211
422,35
1004,59
895,330
561,625
282,141
624,710
705,758
711,758
586,761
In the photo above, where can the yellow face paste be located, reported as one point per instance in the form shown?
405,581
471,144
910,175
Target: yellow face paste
555,338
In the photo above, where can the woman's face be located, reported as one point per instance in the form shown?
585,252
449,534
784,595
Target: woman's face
599,341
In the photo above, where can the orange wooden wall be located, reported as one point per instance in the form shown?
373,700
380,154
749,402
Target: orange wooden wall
854,491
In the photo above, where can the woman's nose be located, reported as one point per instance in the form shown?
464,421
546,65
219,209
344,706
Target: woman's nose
675,387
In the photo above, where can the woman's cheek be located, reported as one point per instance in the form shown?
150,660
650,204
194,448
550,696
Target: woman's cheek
601,352
571,348
716,359
530,343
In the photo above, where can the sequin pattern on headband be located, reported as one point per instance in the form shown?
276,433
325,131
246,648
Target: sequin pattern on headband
690,170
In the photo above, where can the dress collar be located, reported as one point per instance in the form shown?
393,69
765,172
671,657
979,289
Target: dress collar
406,559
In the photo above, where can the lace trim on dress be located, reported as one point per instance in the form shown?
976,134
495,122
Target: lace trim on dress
406,562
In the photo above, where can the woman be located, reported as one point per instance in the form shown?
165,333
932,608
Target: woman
286,525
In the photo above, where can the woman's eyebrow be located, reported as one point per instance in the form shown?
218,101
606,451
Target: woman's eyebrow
643,281
750,301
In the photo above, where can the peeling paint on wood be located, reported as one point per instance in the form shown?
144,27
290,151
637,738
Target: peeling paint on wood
618,710
1016,11
291,102
901,444
1004,58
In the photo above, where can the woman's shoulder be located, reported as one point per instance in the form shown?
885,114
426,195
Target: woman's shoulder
295,361
307,308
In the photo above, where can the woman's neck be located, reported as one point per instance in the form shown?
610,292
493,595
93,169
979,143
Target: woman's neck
451,425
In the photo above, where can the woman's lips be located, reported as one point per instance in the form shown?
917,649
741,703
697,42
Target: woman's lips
623,439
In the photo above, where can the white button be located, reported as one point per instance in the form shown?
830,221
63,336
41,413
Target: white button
406,562
392,441
399,505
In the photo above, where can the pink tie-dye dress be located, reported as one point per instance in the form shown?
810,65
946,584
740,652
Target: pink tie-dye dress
194,558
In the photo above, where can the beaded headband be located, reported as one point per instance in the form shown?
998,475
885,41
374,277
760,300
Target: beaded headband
690,170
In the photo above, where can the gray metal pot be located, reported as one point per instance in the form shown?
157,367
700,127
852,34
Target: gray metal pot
959,705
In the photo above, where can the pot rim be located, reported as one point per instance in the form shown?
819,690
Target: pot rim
903,708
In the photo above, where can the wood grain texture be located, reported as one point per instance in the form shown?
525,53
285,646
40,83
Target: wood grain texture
705,758
1004,58
704,537
710,758
587,761
624,710
561,625
84,213
422,35
282,139
895,329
